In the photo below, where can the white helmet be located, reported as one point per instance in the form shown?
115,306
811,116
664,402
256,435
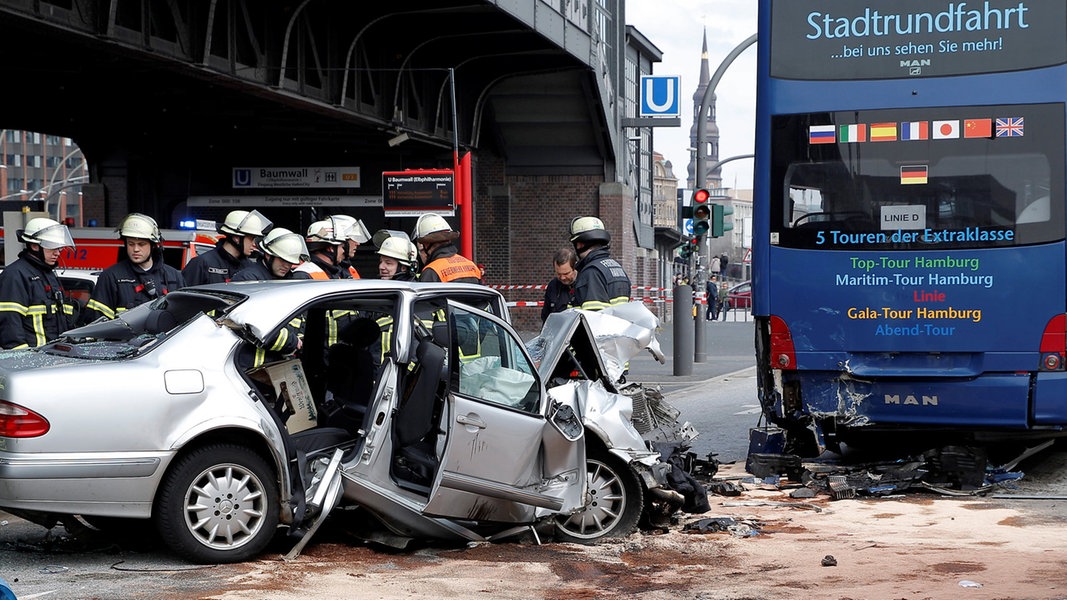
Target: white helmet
399,248
142,227
46,232
328,230
243,222
589,230
430,223
354,229
286,245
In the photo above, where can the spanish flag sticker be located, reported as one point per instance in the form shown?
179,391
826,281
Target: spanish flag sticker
913,174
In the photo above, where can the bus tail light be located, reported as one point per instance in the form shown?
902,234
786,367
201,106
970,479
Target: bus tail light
783,355
20,422
1054,344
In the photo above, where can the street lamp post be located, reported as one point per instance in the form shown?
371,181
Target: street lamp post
701,175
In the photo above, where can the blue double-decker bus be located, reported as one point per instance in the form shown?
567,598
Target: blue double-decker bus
908,240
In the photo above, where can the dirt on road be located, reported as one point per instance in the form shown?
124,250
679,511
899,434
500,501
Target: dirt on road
915,546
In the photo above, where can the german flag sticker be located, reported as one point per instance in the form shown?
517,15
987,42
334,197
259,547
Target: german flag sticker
913,174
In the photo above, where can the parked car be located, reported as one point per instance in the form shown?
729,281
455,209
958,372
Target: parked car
739,296
428,413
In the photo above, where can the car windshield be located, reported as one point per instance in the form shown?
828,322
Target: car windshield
140,328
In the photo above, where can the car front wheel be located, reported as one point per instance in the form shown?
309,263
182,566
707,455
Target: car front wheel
218,504
614,502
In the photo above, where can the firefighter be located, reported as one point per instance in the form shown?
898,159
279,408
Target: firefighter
439,254
139,277
355,233
241,229
281,252
326,243
397,259
601,280
33,308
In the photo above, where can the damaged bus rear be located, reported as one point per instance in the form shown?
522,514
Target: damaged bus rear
908,237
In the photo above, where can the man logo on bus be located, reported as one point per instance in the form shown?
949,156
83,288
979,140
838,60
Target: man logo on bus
910,400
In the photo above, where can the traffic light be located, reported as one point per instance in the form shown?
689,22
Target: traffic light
719,226
701,213
689,248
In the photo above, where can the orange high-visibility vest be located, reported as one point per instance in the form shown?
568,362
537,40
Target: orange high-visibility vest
454,267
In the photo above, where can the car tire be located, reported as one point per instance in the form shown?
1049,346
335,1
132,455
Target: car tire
218,504
615,502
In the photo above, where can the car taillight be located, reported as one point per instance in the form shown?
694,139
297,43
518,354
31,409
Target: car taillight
20,422
1054,344
783,355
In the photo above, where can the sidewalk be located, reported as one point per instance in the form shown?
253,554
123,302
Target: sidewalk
729,347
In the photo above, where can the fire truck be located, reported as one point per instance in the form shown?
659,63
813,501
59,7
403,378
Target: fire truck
96,248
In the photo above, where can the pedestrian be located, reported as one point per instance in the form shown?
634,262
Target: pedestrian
712,312
397,259
240,231
559,294
33,308
724,300
440,257
601,280
326,243
281,251
714,265
141,276
724,262
355,233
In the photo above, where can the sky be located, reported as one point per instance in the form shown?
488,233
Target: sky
676,27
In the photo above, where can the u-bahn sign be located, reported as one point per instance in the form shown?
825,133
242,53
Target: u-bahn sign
417,191
660,96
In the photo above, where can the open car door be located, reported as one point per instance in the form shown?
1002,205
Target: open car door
509,449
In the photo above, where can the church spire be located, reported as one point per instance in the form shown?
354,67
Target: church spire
714,178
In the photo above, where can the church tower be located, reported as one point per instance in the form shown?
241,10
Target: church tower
714,178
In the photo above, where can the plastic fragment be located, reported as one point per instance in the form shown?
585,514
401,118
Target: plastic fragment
967,583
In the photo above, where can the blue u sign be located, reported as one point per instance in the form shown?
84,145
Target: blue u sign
660,96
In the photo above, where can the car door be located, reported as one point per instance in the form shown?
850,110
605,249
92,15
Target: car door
499,442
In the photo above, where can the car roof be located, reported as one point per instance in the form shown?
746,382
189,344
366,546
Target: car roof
267,303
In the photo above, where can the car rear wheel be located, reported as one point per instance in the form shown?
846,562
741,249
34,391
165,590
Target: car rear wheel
218,504
614,503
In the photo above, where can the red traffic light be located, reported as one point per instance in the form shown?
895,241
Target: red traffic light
701,196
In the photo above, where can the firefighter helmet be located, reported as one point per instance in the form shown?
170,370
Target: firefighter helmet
46,232
286,245
433,228
354,229
589,230
243,222
399,248
327,231
139,226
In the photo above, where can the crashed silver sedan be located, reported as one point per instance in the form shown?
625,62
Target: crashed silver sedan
416,405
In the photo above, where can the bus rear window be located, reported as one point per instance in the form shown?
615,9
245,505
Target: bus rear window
969,177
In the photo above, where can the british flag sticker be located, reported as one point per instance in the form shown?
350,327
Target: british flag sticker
1009,127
